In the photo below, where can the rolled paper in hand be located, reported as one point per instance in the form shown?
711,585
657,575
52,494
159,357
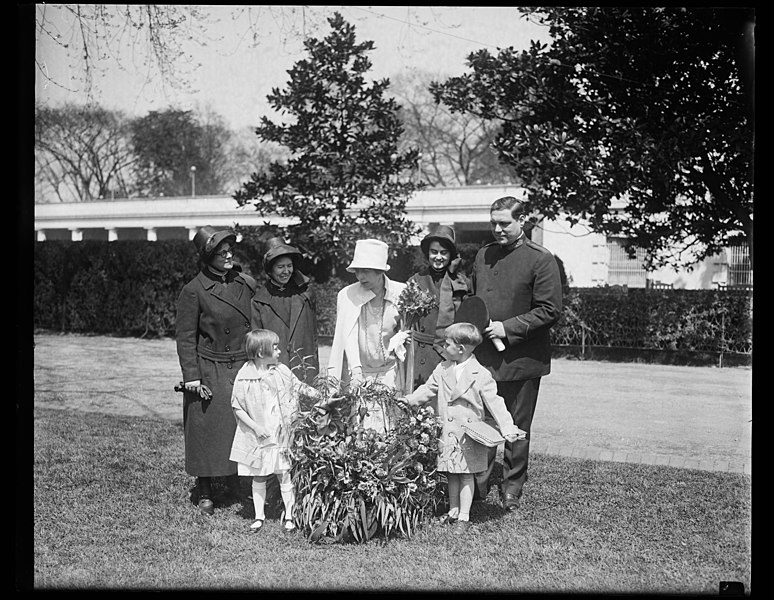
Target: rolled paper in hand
498,343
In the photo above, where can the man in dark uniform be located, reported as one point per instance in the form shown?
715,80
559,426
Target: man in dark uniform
519,282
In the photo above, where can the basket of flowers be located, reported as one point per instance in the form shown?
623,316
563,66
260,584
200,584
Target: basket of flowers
353,483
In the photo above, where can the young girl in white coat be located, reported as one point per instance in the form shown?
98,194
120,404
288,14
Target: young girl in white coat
264,399
463,387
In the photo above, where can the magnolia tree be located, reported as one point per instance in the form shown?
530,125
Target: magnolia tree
645,108
345,177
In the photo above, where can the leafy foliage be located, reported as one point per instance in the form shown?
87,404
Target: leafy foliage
341,181
414,303
655,120
674,320
92,287
168,144
353,483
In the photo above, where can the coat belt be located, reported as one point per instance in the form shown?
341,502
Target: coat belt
221,356
423,338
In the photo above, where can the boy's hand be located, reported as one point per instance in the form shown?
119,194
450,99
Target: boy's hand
517,434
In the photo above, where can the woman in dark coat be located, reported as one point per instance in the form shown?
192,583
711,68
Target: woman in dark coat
213,316
449,286
286,305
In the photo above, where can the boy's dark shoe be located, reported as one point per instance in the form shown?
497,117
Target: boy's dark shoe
461,527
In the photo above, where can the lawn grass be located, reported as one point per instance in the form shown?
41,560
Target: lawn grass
112,511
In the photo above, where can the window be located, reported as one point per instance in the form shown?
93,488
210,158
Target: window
622,270
739,271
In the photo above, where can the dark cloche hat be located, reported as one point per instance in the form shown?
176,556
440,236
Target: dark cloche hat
442,233
208,238
276,247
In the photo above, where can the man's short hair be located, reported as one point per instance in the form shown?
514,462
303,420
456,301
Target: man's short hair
516,206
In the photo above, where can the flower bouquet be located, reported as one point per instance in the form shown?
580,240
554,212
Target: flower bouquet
354,483
414,303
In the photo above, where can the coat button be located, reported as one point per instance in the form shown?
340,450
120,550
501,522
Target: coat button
247,325
451,434
451,419
228,330
228,365
228,348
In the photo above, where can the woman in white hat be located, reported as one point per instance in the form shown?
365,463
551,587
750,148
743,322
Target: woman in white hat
213,316
366,337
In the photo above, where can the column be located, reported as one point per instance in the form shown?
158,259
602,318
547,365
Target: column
112,234
151,234
76,235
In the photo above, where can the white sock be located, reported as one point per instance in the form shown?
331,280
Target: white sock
466,496
259,498
453,481
288,496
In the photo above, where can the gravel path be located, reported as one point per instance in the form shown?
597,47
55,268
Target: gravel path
695,417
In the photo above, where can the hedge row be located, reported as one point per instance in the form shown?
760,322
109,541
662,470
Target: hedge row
677,321
130,288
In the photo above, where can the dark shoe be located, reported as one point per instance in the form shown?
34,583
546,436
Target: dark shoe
206,506
511,502
461,527
256,526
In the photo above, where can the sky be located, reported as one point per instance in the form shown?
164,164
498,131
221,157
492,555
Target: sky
245,52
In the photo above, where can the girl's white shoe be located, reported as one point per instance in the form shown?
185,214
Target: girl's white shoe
289,526
257,525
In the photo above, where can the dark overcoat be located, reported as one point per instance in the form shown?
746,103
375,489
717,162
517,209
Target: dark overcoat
296,327
449,289
521,287
212,319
